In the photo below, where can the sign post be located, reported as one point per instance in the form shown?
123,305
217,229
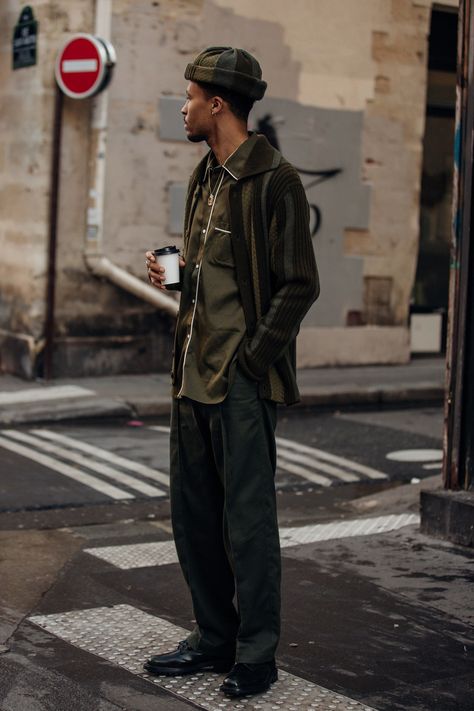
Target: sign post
83,68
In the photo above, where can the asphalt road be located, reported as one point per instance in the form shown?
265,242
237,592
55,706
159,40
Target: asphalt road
375,616
59,466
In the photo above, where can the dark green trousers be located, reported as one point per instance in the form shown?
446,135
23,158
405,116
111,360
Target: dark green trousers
223,504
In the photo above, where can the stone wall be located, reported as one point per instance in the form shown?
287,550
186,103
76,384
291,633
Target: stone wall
26,125
346,90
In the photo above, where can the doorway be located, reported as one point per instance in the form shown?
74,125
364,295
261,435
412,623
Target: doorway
430,293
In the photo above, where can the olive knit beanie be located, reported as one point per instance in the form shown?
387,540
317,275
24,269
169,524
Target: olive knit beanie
230,68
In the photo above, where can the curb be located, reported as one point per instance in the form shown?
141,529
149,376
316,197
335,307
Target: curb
85,409
373,395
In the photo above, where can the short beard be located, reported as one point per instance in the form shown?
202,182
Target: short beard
197,138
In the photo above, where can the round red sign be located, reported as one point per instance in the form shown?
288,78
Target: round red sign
81,66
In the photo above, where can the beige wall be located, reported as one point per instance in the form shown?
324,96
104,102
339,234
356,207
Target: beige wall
343,55
26,119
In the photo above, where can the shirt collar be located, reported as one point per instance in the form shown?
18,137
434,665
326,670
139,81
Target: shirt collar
236,162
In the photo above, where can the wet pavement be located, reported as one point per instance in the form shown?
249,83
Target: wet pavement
375,614
382,619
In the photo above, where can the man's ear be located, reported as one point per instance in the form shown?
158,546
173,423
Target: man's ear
216,105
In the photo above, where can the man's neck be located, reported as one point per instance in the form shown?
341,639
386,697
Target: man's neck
223,145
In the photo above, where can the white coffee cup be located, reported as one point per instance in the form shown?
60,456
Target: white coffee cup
168,258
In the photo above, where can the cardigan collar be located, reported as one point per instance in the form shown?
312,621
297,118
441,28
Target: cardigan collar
261,158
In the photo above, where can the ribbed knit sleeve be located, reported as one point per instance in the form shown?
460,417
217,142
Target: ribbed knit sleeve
294,276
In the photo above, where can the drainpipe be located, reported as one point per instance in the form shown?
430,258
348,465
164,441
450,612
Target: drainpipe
99,264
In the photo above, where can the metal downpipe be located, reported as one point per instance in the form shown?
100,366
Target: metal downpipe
95,259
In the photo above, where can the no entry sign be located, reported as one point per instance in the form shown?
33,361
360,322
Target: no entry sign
84,65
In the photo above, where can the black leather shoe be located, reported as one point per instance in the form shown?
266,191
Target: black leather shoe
249,679
185,660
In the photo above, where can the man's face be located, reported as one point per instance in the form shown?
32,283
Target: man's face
197,113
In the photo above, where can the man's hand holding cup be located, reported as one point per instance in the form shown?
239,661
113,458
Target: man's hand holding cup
163,267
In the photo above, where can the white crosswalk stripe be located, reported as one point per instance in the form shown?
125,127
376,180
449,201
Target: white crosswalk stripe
104,469
62,452
80,476
126,636
313,464
160,428
110,457
303,472
345,467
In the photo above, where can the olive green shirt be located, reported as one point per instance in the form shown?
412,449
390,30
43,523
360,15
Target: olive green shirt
211,321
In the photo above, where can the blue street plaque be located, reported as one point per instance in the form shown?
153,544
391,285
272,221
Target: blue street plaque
24,39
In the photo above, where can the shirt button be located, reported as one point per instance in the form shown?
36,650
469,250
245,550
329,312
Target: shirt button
204,232
197,266
193,301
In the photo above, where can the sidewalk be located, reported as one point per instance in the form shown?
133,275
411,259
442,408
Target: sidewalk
377,616
136,396
374,618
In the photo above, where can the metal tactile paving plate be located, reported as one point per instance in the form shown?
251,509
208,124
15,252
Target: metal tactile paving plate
127,636
137,555
345,529
142,555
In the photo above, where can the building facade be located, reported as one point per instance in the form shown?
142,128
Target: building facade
346,104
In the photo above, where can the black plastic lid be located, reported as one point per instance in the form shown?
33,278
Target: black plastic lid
166,250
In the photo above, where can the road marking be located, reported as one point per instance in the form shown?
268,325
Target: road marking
110,457
326,456
318,465
55,392
416,455
302,471
160,428
292,454
126,636
433,465
120,477
156,553
82,477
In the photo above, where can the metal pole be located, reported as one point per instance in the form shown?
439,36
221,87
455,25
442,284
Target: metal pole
52,246
459,364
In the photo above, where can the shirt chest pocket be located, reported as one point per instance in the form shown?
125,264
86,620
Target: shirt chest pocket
219,246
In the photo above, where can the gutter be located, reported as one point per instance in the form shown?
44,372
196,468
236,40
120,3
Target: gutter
97,262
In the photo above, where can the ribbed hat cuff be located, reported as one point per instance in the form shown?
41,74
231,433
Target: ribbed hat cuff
230,79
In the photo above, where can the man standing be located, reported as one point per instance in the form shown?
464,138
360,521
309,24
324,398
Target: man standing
248,276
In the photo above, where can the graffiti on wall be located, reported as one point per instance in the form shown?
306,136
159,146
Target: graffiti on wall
266,127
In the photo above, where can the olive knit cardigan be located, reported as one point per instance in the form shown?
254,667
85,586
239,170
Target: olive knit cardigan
275,264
